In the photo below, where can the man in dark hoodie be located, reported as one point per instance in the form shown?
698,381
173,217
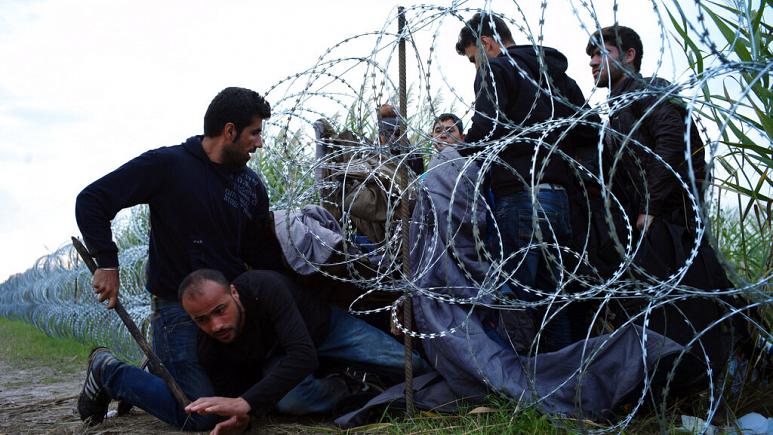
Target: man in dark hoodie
518,87
207,210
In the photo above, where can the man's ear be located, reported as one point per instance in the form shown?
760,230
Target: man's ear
229,131
234,292
490,46
487,42
630,55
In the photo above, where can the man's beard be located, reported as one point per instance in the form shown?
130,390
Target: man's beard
232,157
239,316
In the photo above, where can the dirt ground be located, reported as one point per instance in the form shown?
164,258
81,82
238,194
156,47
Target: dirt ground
41,400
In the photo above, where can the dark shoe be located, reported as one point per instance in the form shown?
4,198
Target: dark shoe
361,381
94,400
363,386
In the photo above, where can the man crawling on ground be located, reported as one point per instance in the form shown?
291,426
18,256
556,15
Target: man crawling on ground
260,341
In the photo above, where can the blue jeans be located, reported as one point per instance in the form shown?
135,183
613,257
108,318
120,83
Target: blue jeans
352,342
174,342
532,268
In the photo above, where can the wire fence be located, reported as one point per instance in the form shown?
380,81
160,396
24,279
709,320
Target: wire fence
346,86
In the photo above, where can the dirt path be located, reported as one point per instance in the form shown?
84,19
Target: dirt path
41,400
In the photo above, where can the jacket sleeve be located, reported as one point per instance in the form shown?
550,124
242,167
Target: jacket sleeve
665,124
298,357
492,97
133,183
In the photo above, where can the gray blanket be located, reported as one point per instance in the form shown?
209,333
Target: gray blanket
453,313
308,237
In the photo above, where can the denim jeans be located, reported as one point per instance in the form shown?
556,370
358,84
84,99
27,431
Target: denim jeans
514,214
351,342
174,342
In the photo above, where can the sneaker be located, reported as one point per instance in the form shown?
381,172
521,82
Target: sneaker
361,381
363,386
94,400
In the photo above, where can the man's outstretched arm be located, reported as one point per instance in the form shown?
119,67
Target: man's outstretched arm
236,409
96,206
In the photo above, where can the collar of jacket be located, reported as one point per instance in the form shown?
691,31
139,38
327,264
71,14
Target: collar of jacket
193,145
627,84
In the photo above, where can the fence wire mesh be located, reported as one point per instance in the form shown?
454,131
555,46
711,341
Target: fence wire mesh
353,78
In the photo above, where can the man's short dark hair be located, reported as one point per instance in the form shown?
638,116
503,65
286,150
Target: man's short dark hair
481,25
449,117
192,283
621,37
237,105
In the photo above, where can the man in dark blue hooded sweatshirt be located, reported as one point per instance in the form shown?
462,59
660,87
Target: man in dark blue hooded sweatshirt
207,210
519,88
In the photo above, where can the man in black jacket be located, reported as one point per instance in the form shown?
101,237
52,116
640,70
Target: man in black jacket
652,154
661,191
260,339
207,209
522,97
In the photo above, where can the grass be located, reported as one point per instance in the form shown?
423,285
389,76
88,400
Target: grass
501,416
494,421
23,345
498,416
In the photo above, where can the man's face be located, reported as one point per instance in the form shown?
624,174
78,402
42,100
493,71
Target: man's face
238,151
216,310
445,133
490,49
609,69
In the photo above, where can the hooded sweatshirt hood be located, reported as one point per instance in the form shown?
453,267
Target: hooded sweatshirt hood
513,90
527,56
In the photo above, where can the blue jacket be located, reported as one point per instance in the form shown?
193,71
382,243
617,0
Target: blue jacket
202,214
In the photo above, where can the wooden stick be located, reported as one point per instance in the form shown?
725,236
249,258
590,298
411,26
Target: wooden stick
154,364
405,218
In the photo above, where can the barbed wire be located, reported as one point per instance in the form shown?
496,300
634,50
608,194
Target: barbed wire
346,90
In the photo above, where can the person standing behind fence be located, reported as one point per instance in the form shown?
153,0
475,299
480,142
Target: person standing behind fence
391,132
507,103
646,142
207,209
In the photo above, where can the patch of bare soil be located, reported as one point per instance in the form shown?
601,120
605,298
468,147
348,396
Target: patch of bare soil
41,400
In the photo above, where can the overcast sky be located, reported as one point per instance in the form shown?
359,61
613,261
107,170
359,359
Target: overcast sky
85,85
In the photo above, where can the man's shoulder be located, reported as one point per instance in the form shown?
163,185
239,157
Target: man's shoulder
648,84
656,82
172,152
257,284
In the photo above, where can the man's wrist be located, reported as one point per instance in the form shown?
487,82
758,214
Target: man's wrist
247,404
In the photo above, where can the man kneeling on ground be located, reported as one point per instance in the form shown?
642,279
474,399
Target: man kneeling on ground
257,344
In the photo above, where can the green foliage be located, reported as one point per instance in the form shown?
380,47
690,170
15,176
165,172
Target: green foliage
285,163
499,418
747,247
741,102
23,345
740,105
420,116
